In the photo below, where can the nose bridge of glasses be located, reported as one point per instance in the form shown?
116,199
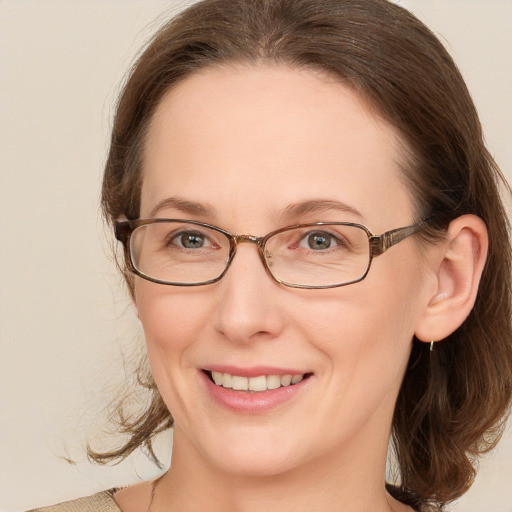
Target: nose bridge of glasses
259,241
237,239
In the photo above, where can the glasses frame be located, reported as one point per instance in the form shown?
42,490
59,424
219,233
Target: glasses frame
378,244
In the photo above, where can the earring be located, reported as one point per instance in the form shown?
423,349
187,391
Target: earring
431,346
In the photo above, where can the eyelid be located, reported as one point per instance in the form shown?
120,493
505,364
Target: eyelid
329,230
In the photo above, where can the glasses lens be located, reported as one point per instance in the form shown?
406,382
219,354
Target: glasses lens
327,255
179,252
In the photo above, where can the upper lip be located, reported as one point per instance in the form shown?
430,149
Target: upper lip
253,371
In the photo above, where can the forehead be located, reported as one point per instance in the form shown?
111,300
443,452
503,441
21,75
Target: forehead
257,139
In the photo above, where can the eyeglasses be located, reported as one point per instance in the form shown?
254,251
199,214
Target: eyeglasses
191,253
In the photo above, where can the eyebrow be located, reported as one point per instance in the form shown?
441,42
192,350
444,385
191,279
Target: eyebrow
291,211
317,206
184,206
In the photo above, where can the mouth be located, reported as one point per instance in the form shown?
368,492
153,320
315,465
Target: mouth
256,384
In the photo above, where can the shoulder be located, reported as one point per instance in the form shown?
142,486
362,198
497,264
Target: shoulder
100,502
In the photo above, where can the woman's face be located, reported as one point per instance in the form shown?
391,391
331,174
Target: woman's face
251,150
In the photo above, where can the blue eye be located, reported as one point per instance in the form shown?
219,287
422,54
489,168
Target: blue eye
190,240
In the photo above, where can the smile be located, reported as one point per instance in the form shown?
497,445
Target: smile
255,384
254,390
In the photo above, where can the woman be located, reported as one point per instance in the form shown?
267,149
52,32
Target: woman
338,138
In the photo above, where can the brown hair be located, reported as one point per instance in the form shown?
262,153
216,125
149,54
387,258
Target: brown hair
451,406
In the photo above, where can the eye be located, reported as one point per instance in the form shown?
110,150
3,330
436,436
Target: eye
190,240
319,241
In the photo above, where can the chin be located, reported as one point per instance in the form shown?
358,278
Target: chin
250,452
256,464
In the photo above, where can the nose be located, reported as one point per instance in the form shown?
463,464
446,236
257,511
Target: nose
248,300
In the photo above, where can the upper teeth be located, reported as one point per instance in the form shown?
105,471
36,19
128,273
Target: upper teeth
260,383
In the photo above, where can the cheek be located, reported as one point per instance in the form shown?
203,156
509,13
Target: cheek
367,328
171,320
363,344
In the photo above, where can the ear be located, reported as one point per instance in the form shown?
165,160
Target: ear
456,264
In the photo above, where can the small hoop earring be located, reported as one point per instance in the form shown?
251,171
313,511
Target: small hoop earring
432,346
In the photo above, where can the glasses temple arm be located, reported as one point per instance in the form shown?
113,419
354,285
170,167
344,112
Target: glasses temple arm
382,243
121,230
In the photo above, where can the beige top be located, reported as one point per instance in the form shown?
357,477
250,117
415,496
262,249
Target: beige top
100,502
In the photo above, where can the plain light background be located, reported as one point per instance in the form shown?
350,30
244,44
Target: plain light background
64,318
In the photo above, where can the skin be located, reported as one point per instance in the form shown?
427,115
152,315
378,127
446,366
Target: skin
249,142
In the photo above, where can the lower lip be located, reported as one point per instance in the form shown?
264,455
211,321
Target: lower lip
252,403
